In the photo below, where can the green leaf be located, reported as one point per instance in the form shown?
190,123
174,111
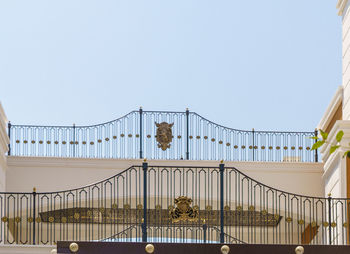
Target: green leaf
324,134
347,153
339,136
314,138
333,148
318,144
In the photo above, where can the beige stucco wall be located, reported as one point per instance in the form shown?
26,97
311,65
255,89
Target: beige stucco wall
53,174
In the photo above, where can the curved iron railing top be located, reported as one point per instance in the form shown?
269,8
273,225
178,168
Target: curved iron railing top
186,135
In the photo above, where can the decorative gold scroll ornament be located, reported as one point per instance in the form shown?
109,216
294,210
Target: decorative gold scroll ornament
183,211
164,135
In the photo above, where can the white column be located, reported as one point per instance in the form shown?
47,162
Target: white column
4,141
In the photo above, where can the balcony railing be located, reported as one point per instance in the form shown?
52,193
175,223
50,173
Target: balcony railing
183,136
172,204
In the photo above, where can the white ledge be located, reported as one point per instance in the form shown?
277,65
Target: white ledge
331,109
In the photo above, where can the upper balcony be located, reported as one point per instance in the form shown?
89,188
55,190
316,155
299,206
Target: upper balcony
141,134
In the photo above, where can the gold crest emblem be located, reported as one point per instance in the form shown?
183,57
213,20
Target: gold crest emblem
183,211
164,135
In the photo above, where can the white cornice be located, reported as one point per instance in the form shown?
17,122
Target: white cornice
341,6
331,109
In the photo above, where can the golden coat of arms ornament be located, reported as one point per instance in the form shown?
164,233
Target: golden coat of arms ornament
164,135
183,211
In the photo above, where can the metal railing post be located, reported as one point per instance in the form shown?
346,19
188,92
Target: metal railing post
34,211
187,134
73,139
205,227
141,136
144,224
9,133
222,169
330,218
253,144
316,151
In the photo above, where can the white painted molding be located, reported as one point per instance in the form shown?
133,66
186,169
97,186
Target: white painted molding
331,109
329,165
341,6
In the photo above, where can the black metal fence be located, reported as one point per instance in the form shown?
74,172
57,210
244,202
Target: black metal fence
134,136
174,204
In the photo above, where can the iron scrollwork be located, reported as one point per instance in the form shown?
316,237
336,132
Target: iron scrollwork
183,211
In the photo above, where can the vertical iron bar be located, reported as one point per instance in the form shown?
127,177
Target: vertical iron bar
330,218
9,133
316,150
253,143
73,139
187,134
141,155
205,232
222,168
34,211
144,224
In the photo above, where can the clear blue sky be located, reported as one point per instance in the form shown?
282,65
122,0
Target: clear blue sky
263,64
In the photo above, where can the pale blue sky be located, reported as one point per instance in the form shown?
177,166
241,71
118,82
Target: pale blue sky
263,64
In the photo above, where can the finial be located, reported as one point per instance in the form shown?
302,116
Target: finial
144,160
222,161
34,189
140,107
329,194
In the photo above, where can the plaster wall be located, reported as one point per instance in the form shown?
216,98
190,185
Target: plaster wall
53,174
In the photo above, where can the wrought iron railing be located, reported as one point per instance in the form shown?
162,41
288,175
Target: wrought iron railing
134,136
200,204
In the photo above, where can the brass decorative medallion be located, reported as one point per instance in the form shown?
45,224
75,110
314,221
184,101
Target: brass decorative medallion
164,135
183,211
